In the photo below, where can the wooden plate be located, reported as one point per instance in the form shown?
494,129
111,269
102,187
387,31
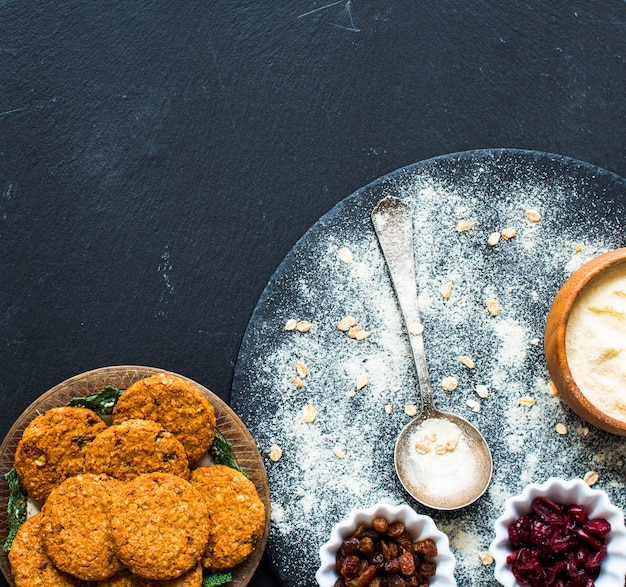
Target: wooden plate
90,383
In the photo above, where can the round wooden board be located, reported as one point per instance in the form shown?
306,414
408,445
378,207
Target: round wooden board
90,383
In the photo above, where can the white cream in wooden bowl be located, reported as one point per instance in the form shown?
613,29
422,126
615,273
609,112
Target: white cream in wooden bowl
595,341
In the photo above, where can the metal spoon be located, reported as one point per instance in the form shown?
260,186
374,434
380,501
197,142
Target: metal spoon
436,476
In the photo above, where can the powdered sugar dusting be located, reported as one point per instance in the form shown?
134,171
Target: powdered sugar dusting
311,487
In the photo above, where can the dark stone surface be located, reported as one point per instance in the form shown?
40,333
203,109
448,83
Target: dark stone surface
158,160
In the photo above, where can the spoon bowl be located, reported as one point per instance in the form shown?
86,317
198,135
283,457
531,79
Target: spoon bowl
441,459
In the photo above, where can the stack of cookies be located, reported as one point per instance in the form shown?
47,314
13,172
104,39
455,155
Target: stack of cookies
128,505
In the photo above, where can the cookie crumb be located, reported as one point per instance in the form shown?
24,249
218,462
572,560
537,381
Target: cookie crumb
361,381
446,290
485,557
561,429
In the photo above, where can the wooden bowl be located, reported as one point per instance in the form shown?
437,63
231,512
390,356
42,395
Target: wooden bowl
228,423
554,342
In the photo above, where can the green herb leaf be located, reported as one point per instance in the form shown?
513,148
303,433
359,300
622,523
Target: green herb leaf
102,402
16,508
215,578
222,453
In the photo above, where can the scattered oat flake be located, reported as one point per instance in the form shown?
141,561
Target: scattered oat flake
526,401
362,335
446,290
275,453
345,254
583,430
591,477
298,383
410,410
388,409
352,332
533,215
351,392
339,452
309,414
303,326
493,307
552,390
560,428
361,381
508,233
494,239
473,405
291,324
346,323
482,391
485,557
449,383
467,361
464,225
415,328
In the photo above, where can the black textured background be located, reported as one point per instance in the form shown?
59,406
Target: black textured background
159,159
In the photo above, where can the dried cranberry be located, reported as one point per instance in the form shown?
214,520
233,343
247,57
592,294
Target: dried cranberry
577,513
549,511
597,526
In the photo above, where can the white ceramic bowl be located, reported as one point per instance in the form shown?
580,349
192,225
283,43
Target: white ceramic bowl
418,525
597,504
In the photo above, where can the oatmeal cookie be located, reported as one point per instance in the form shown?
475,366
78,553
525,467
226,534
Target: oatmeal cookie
29,562
75,527
53,447
134,447
125,578
236,515
159,525
177,404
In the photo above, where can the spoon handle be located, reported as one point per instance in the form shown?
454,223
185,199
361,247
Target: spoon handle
393,224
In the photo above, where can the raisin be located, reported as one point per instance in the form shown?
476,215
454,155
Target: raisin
350,567
367,576
380,525
395,529
427,547
392,567
350,546
427,569
407,564
366,547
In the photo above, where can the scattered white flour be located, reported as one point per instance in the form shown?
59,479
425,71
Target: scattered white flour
311,487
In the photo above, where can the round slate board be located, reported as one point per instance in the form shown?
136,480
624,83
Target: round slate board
344,458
